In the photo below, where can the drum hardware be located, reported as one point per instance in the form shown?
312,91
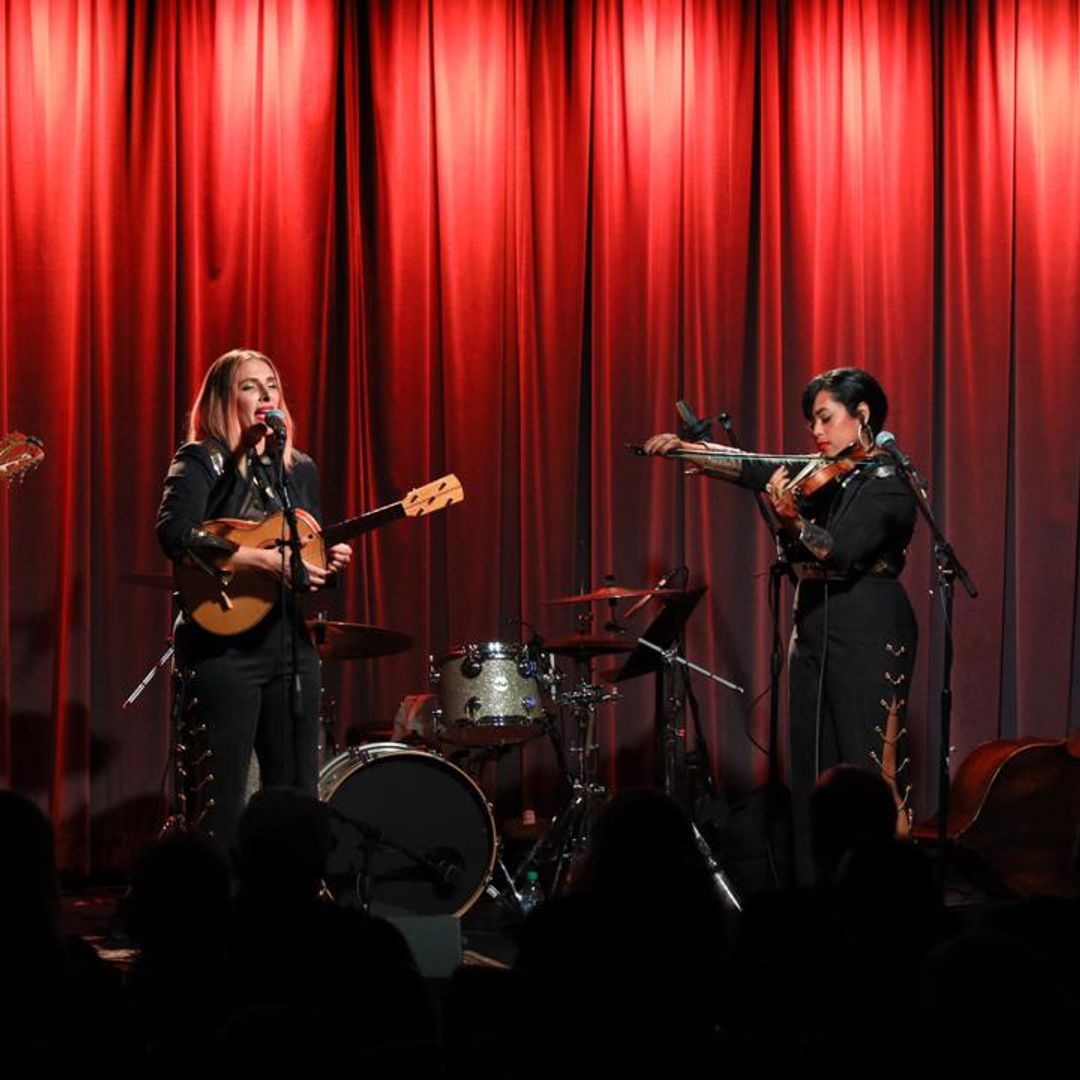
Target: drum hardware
328,744
587,694
568,836
439,867
508,897
148,678
723,886
189,800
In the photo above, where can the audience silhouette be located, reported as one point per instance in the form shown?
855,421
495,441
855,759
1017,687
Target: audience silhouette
639,967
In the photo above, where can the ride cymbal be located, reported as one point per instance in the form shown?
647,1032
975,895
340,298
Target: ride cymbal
356,641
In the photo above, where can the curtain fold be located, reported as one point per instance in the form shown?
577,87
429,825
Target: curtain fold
501,239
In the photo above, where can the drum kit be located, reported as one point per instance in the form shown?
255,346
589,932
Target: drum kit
412,832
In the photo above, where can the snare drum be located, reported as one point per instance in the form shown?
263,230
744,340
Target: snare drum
491,693
438,837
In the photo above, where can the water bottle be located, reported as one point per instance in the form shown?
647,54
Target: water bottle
532,894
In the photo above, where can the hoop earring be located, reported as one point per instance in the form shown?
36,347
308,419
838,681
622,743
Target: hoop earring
866,430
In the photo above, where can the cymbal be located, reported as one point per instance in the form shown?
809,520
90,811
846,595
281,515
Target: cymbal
355,641
586,646
611,592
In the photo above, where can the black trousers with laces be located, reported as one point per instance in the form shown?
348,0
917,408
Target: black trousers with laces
237,692
850,662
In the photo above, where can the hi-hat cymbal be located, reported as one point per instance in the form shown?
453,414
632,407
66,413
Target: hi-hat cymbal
611,592
586,646
355,641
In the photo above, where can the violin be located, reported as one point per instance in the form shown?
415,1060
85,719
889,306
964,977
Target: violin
817,474
821,473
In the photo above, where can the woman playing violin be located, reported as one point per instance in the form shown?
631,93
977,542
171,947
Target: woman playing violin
232,467
853,644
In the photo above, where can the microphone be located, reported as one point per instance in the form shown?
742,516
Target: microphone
887,441
444,867
663,583
274,419
693,429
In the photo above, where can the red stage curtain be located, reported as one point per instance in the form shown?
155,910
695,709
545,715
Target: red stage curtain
500,239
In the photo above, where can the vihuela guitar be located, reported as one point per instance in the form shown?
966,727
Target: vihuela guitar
230,602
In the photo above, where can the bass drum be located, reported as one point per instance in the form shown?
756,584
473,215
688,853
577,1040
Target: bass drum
432,835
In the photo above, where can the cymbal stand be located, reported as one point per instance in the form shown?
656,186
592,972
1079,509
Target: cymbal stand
328,744
572,826
188,798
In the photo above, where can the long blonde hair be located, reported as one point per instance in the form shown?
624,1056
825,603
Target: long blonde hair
213,415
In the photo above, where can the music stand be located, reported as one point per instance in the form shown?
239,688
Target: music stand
663,632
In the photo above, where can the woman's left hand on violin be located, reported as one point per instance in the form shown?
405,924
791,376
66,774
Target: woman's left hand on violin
781,496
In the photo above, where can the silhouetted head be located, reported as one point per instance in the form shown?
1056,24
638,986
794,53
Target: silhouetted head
282,841
30,895
644,847
886,894
850,807
179,905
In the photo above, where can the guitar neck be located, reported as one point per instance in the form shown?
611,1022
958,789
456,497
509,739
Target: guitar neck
420,502
357,526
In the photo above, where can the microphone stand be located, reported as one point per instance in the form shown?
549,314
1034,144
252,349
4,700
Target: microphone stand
949,569
372,838
779,569
672,656
297,575
673,659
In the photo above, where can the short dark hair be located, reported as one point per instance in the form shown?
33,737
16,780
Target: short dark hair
850,386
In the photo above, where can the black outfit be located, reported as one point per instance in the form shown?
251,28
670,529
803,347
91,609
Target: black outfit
853,645
239,685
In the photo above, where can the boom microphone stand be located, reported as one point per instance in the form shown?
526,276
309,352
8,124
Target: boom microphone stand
779,569
949,568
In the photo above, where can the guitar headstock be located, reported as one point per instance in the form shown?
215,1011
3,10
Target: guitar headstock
437,495
19,454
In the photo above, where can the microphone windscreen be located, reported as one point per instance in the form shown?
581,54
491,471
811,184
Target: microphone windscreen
275,421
